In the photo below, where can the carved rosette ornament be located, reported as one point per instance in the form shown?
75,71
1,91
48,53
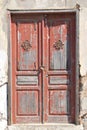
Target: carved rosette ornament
26,45
58,45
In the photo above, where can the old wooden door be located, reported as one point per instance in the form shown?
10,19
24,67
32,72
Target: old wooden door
43,68
59,68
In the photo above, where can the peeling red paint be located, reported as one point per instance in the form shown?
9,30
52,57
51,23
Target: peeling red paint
43,77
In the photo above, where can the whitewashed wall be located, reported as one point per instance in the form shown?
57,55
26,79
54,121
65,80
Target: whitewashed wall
3,65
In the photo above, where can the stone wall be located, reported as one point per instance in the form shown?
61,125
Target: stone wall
42,4
3,64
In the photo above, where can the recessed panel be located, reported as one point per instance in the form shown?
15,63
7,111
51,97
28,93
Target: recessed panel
27,38
59,46
27,103
27,80
59,102
58,80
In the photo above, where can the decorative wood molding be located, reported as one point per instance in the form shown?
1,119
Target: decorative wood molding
26,45
58,45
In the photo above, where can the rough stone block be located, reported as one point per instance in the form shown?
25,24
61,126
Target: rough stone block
70,3
82,39
36,4
45,127
82,3
85,124
3,67
84,103
3,107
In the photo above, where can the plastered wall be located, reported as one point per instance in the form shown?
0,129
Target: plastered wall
41,4
3,64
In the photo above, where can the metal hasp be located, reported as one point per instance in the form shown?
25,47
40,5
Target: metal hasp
58,45
26,45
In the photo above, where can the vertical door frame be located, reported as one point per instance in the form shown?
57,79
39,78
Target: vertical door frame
10,12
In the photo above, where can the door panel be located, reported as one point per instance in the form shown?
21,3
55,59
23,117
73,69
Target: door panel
59,78
26,60
58,34
43,68
27,45
58,102
27,103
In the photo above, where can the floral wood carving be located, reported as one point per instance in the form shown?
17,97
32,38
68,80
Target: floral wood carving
58,45
26,45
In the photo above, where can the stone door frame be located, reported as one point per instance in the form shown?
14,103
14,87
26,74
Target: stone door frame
76,11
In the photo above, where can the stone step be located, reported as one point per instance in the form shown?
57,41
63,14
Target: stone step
45,127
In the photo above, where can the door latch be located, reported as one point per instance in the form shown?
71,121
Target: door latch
41,68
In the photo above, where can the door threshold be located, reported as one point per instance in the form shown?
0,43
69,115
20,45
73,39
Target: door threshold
46,124
53,126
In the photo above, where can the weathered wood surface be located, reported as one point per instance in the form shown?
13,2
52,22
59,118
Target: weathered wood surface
43,68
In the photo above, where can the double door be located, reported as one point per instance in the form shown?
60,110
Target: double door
43,68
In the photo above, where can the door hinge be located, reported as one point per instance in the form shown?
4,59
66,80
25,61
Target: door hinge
45,19
35,24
